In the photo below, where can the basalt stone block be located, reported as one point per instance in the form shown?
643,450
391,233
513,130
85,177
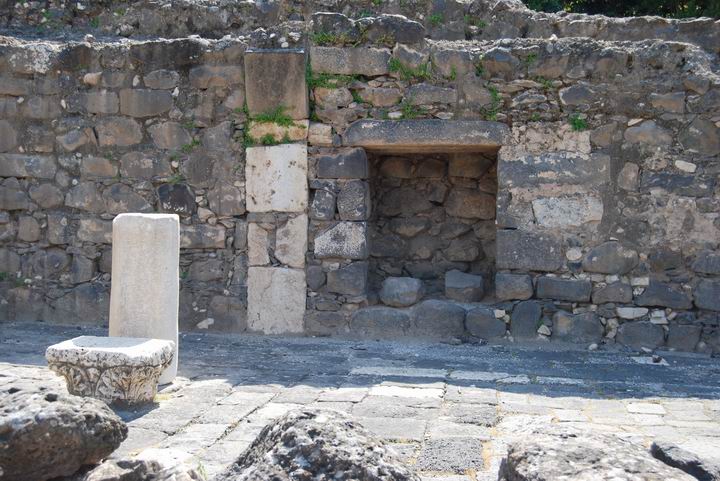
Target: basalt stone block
683,337
202,236
615,292
209,76
118,131
347,164
701,136
641,334
438,319
469,165
426,135
315,277
564,289
350,280
13,198
399,28
401,291
139,165
703,469
169,135
353,201
425,94
145,103
464,287
528,251
350,61
688,185
707,262
161,79
120,198
177,199
8,136
524,320
379,322
707,295
323,205
225,200
266,90
562,167
583,327
20,165
347,240
648,133
470,204
510,287
610,258
481,322
662,295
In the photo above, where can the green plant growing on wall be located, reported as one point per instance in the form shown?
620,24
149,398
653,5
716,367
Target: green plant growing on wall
490,113
176,178
479,69
474,21
95,22
187,148
190,124
4,276
356,97
274,116
268,139
453,73
410,110
326,80
435,19
409,74
578,123
535,117
377,3
546,83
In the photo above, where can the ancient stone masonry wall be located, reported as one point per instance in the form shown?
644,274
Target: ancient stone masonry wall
351,176
87,132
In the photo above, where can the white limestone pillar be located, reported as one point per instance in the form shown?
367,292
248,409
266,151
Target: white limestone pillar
144,297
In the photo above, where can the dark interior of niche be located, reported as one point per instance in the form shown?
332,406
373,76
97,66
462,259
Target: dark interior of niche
432,213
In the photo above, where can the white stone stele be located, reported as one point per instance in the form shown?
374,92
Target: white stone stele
112,369
276,178
276,300
144,298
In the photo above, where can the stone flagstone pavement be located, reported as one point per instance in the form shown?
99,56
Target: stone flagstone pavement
449,410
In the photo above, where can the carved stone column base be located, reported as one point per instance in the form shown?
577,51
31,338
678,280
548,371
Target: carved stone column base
113,369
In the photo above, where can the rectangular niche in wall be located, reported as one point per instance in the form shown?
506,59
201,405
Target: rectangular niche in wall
432,213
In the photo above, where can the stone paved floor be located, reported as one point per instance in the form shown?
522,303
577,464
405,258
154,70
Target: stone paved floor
449,410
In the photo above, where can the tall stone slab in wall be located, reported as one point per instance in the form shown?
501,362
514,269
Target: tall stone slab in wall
276,78
276,300
276,178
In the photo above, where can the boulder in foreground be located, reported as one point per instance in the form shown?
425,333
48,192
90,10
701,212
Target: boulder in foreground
46,432
319,445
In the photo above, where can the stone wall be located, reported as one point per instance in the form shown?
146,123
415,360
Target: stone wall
356,195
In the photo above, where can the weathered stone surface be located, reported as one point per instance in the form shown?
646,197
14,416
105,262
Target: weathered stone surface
265,286
470,204
12,197
209,76
524,320
583,327
350,61
276,178
481,322
631,312
266,90
346,240
47,196
381,96
169,135
118,131
430,135
145,103
379,322
469,165
628,177
701,136
48,433
707,295
510,287
560,168
346,164
683,337
202,236
648,133
353,201
161,79
610,258
641,334
112,369
177,199
554,453
558,212
97,167
528,251
320,134
28,229
438,319
226,200
424,94
92,230
320,445
675,456
20,165
564,289
130,469
663,295
706,262
139,165
258,245
323,205
144,299
120,198
349,280
8,136
401,291
291,241
615,292
85,196
297,132
464,287
333,98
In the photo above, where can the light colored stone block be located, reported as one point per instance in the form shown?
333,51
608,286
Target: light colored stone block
276,300
257,245
145,283
291,241
113,369
293,133
276,178
567,211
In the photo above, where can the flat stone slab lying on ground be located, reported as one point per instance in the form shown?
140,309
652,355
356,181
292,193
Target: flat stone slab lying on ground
113,369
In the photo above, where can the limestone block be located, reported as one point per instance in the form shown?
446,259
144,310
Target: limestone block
350,61
291,241
112,369
144,298
276,300
276,78
347,240
257,245
277,178
567,211
296,132
320,134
